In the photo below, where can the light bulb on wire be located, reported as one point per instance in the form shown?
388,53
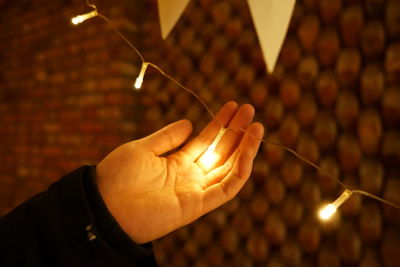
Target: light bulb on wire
81,18
326,212
210,157
139,79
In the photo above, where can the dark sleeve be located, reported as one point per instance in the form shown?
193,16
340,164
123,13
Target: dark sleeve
68,225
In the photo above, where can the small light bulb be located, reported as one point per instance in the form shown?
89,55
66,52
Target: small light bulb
139,79
210,157
81,18
326,212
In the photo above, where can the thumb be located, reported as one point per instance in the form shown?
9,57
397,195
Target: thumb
168,138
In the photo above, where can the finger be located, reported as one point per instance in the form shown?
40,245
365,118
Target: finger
168,138
219,193
250,142
197,146
217,174
252,138
232,136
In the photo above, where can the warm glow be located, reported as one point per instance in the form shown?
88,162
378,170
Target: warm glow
207,161
139,79
330,209
81,18
138,83
327,212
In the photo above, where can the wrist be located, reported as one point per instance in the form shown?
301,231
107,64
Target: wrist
107,225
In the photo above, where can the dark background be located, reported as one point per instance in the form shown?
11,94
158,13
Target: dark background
66,99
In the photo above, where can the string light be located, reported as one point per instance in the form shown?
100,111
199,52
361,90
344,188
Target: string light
139,79
210,157
326,212
81,18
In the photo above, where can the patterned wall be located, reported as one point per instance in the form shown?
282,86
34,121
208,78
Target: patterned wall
334,97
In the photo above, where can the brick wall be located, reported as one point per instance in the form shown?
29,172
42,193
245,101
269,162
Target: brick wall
66,100
66,95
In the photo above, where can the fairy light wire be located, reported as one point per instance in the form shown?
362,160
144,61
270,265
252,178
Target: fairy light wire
204,104
387,202
122,36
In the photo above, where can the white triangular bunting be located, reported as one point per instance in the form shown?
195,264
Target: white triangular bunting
271,19
169,12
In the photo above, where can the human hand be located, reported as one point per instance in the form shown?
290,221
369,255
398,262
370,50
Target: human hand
151,195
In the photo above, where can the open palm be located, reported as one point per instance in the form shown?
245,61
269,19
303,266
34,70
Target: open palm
151,195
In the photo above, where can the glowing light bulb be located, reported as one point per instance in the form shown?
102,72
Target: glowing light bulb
139,79
81,18
210,157
326,212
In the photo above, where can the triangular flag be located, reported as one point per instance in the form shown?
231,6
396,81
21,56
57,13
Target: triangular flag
271,19
169,12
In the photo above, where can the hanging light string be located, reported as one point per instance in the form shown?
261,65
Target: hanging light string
121,35
329,209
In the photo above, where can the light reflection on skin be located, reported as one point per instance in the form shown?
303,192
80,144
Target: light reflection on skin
210,157
208,160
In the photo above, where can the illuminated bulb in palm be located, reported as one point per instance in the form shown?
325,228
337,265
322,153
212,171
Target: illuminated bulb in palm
210,157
